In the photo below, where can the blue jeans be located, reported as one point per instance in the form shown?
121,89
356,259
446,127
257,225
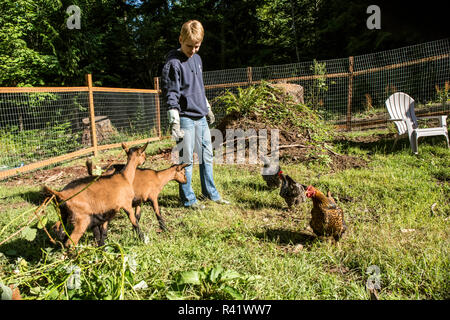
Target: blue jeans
197,138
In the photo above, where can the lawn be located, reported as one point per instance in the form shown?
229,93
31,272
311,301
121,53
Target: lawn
397,209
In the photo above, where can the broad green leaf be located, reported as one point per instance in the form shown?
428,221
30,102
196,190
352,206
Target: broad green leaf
232,292
230,275
29,233
190,277
41,224
214,274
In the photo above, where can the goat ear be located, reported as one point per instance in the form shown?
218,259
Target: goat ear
124,147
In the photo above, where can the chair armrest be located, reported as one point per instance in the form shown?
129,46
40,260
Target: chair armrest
432,117
442,119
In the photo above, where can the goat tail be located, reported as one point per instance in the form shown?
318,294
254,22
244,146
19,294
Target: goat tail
89,167
46,190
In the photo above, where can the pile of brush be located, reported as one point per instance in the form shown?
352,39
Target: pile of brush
303,135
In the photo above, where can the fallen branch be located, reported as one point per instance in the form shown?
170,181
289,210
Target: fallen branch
297,145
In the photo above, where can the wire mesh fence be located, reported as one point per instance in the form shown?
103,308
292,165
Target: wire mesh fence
351,92
124,116
41,126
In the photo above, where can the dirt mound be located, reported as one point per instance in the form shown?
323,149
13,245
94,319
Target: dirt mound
303,135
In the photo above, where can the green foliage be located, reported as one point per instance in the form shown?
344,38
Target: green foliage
268,104
27,51
319,86
29,234
94,273
209,283
59,139
443,95
36,144
254,99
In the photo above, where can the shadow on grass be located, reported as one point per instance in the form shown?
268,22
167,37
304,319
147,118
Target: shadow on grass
168,201
385,143
285,237
34,197
374,144
255,186
256,204
31,251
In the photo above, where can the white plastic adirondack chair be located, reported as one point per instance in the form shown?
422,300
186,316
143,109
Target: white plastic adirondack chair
401,109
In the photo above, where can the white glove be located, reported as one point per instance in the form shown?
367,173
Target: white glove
210,116
174,123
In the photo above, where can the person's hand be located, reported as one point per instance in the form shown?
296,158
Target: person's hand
176,131
174,123
210,116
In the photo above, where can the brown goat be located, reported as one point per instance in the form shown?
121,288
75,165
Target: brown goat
89,204
148,184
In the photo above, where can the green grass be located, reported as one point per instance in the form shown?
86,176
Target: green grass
269,248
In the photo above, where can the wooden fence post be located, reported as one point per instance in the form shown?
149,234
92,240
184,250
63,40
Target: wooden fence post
158,116
92,114
350,93
249,75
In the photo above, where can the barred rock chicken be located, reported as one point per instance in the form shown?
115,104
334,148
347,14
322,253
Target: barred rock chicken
293,192
270,174
327,219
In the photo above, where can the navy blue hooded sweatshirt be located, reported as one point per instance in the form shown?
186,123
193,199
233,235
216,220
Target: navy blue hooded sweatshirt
182,84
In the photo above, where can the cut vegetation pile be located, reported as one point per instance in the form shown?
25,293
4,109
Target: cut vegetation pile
303,135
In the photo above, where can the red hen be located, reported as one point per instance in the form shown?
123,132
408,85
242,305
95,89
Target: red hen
327,219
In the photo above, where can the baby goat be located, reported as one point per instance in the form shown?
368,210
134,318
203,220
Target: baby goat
100,200
148,184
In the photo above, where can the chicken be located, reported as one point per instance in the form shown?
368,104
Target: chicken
292,192
270,174
327,219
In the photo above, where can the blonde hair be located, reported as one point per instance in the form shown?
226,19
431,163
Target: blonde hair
192,30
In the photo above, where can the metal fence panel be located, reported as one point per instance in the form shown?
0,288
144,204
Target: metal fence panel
38,125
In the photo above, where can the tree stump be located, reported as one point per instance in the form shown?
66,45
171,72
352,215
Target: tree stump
294,90
104,130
